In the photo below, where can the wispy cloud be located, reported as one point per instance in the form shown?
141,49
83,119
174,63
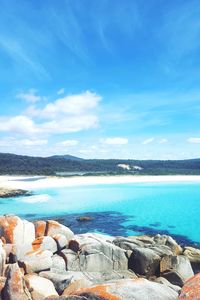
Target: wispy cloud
20,56
114,141
148,141
10,142
68,143
181,29
163,141
29,96
195,140
61,91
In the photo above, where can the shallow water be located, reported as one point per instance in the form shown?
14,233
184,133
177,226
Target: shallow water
119,209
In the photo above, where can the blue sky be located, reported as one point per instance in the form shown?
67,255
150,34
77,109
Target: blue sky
100,79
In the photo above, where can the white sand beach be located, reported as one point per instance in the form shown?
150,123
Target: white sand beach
38,182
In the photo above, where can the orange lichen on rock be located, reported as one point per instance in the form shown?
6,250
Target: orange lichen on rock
7,226
100,290
52,225
191,289
40,227
15,286
37,243
112,290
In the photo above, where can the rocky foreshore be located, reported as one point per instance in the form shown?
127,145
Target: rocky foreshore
6,193
46,260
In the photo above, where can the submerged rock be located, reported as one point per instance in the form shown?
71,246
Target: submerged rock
8,193
84,218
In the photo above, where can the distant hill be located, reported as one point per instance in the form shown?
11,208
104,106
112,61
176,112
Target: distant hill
67,164
67,157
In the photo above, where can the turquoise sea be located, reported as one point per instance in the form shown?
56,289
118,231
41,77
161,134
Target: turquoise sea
122,209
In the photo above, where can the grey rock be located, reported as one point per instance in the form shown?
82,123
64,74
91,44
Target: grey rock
60,281
39,287
174,278
58,262
45,243
15,288
177,269
194,257
61,241
161,250
72,260
2,259
95,277
37,261
164,281
127,243
96,254
144,261
168,241
139,289
192,254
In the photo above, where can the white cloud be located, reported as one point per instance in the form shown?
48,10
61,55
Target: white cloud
29,96
194,140
163,141
14,142
114,141
148,141
74,105
68,143
61,91
69,114
35,142
18,124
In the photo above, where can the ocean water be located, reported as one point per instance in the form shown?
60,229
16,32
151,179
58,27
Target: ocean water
122,209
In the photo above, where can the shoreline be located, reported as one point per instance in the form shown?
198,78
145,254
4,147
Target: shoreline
39,182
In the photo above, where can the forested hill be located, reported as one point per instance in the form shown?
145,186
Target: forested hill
28,165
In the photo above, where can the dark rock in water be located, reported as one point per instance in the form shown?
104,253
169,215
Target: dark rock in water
84,218
108,222
8,193
156,224
171,226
